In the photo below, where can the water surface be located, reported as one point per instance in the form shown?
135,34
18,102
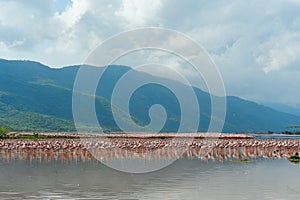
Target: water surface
184,179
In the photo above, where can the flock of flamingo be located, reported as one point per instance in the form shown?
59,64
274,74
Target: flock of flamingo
167,147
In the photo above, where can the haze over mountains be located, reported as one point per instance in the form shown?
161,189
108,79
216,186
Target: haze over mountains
36,97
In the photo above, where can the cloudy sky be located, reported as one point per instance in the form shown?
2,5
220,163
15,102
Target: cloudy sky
255,44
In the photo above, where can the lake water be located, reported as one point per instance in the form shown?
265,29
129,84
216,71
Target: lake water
184,179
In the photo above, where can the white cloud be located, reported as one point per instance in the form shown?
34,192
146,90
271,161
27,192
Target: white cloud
256,44
138,12
73,12
280,52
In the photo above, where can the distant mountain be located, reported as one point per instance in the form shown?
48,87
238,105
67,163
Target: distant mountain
36,97
294,110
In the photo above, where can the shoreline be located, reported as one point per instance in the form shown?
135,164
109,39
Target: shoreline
136,135
118,147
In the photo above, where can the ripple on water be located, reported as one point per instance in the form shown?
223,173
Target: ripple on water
184,179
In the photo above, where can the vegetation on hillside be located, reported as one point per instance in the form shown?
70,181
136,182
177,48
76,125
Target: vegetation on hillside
295,127
34,97
4,131
30,121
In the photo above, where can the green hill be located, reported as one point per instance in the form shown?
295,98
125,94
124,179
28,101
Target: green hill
36,97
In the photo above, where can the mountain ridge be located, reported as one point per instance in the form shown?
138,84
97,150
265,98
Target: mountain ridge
46,93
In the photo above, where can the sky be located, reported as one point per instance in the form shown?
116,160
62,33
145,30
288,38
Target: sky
255,44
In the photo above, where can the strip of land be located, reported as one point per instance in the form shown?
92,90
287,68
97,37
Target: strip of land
31,135
203,146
